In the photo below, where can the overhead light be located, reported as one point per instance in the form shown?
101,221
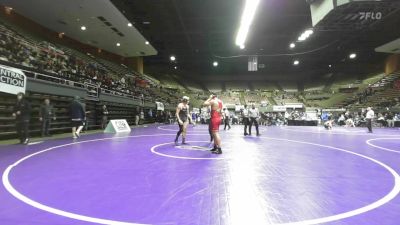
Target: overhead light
175,67
246,21
306,34
242,47
330,65
83,28
215,63
118,44
296,62
172,58
147,43
292,45
302,38
129,24
309,32
352,55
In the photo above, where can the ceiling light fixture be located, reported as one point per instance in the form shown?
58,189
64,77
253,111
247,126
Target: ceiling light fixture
175,67
172,58
353,56
129,24
246,21
292,45
296,62
242,47
83,28
215,63
118,44
305,35
147,43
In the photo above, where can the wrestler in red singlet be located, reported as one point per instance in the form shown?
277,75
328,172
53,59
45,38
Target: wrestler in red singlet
216,117
215,121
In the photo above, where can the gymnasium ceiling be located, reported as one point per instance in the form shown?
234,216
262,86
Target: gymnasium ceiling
199,32
105,24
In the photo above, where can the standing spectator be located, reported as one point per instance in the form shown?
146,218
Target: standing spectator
167,117
85,120
226,116
254,115
245,117
104,118
141,121
137,117
46,113
370,116
77,114
389,119
142,99
22,115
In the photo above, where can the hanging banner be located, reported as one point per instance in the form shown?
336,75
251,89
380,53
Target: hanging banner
238,108
160,106
12,80
279,108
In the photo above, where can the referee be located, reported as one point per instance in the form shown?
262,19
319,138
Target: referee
254,116
370,116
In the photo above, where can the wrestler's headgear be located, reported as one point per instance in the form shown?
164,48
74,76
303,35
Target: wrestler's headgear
185,98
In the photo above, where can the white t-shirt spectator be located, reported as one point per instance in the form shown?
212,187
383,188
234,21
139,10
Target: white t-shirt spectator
370,114
253,113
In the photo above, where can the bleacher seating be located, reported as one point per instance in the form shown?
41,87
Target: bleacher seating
288,86
255,97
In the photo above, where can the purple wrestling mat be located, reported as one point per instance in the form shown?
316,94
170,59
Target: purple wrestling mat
289,175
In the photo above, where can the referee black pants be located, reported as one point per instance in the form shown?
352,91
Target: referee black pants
246,123
253,121
369,125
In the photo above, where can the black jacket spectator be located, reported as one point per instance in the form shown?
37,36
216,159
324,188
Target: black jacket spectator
24,107
22,113
46,112
76,111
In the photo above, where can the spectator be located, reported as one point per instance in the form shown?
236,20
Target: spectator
22,115
226,117
137,116
77,114
350,122
342,120
390,119
104,118
141,121
46,113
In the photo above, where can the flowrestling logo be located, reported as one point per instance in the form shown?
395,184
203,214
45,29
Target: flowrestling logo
117,126
370,15
121,125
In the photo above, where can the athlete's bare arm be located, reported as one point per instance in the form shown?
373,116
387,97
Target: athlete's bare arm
188,114
178,109
208,101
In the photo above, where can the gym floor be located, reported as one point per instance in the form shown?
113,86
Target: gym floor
288,175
